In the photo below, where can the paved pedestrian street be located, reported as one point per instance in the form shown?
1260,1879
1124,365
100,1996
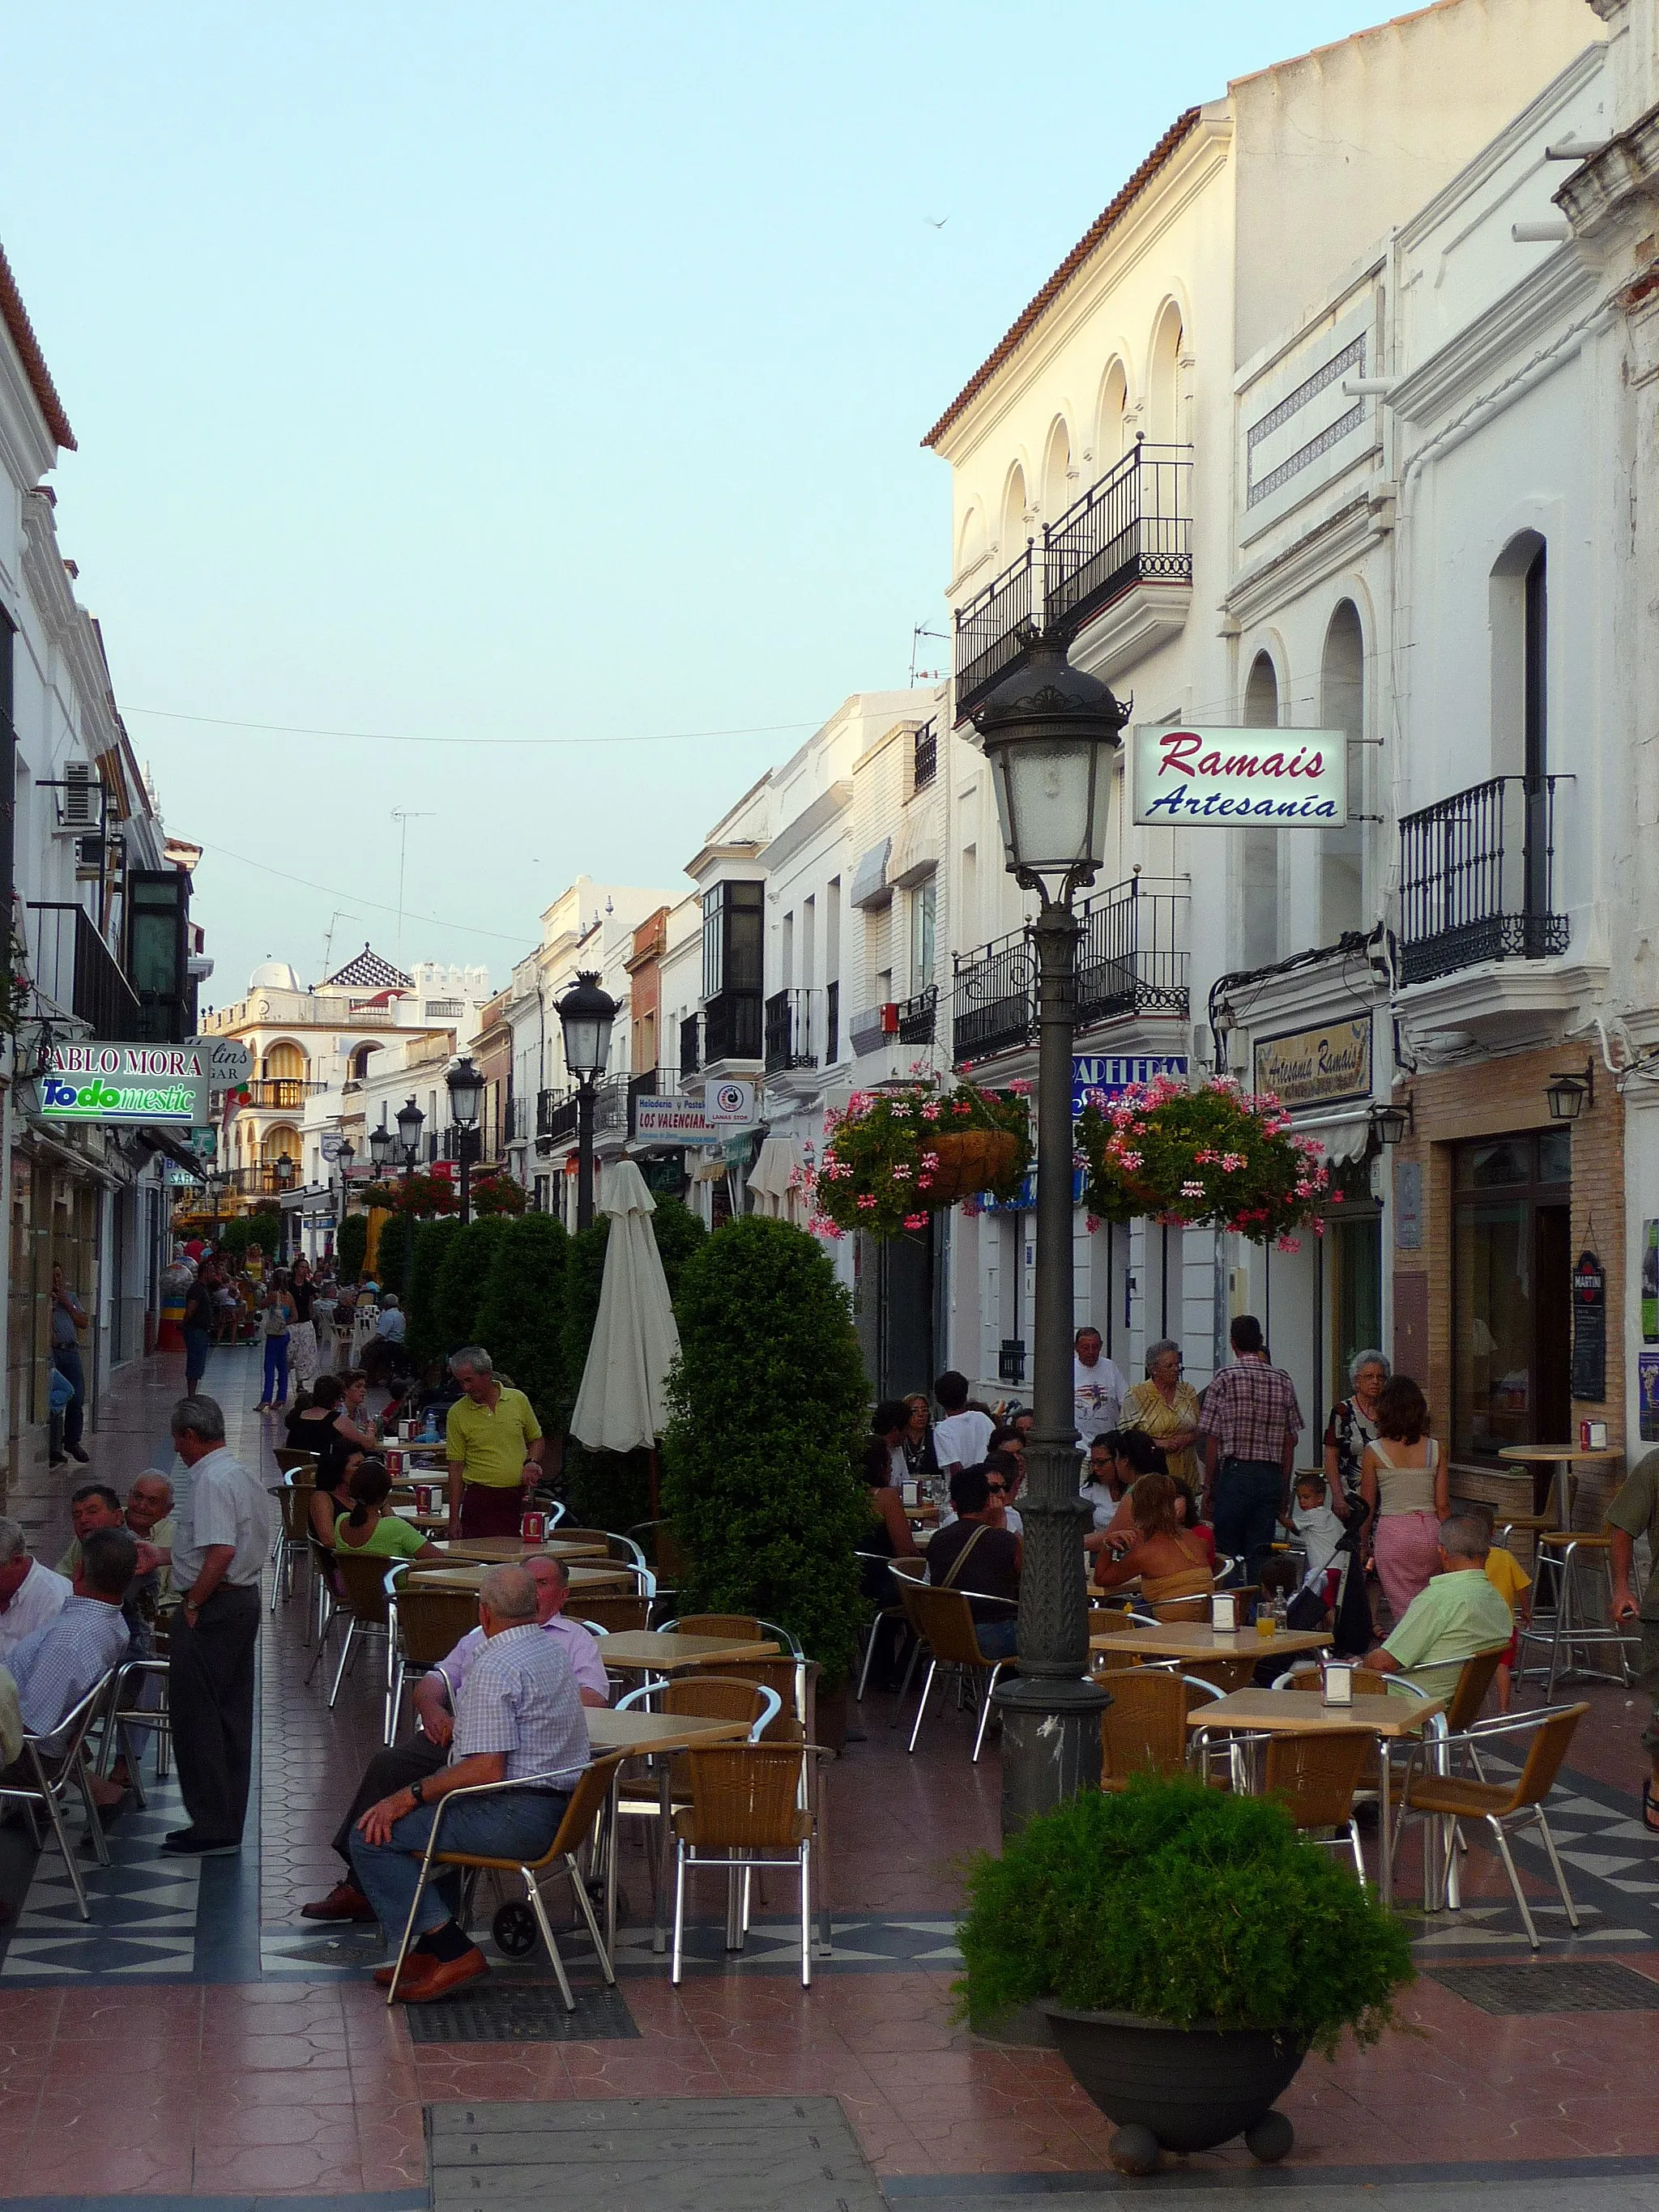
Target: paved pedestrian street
199,2040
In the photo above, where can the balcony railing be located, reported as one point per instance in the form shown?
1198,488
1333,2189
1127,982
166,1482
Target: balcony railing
556,1117
789,1032
1477,878
71,965
519,1118
691,1044
926,756
1132,959
994,630
918,1016
613,1107
731,1028
832,1023
1134,527
287,1093
643,1085
259,1181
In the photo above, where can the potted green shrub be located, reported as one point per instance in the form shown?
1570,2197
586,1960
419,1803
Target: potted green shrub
1188,1948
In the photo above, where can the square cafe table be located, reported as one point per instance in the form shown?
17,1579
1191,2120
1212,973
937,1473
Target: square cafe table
495,1549
1300,1712
467,1574
651,1651
1196,1639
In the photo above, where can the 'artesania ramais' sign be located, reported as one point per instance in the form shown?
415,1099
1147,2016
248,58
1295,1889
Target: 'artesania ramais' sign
1230,779
152,1083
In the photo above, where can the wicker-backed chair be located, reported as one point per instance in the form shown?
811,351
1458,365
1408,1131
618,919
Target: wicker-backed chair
293,1496
1316,1778
364,1602
942,1622
741,1627
292,1462
747,1811
587,1802
1144,1730
609,1615
431,1623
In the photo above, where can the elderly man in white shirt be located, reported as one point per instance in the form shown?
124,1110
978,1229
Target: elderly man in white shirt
437,1697
222,1540
30,1594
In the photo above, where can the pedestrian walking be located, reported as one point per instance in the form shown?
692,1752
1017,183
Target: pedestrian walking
200,1315
224,1534
303,1356
276,1322
68,1320
1248,1429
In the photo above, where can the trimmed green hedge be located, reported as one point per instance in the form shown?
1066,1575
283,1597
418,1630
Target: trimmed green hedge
467,1260
520,1315
424,1336
351,1247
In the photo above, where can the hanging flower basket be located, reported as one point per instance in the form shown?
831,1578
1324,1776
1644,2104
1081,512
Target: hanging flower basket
894,1157
1214,1157
423,1196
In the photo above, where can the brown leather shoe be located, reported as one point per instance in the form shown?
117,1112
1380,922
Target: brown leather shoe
416,1966
447,1974
345,1901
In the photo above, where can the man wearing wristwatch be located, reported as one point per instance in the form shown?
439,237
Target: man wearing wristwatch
223,1538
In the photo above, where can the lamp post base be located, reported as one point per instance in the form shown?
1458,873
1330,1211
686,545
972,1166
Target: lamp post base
1050,1743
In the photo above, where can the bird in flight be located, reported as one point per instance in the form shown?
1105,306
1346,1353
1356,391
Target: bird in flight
939,225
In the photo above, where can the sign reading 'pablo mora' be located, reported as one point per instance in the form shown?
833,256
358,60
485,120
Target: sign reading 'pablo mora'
1192,779
149,1082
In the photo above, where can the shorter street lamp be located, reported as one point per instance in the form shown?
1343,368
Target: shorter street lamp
1050,735
407,1142
465,1086
284,1184
380,1142
587,1015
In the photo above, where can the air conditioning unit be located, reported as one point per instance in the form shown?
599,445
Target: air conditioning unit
890,1018
88,859
79,798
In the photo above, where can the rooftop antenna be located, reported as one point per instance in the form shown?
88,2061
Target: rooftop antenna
926,675
403,816
338,914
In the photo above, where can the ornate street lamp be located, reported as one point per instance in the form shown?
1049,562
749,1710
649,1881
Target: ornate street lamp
586,1015
380,1142
1050,734
467,1088
409,1121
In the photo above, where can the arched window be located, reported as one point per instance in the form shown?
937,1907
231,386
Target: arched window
277,1142
1015,530
1342,707
1163,383
1520,700
1259,848
1111,437
970,551
358,1061
284,1063
1056,484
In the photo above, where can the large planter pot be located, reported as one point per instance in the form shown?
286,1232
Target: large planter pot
970,1160
1178,2088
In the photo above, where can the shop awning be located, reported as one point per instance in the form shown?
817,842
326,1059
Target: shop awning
775,1177
710,1169
1345,1136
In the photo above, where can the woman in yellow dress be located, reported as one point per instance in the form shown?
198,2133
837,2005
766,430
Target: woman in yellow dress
1167,1409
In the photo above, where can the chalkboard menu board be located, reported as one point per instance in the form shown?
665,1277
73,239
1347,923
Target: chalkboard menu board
1589,1329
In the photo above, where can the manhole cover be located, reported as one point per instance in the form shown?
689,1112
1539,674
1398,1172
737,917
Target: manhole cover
1603,1986
531,2013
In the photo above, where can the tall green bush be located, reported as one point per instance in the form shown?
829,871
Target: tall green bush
262,1227
424,1336
392,1253
520,1318
351,1247
768,1403
461,1279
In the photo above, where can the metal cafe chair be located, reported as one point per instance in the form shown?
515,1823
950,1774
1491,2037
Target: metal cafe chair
749,1809
942,1620
57,1762
1144,1730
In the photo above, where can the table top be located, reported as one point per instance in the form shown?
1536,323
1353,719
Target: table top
1196,1639
1552,1454
642,1650
613,1580
509,1547
1300,1712
637,1731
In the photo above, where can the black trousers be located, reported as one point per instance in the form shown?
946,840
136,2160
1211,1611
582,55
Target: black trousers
210,1688
388,1771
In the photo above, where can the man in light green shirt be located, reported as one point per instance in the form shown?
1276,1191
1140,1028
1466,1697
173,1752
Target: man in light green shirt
494,1447
1458,1614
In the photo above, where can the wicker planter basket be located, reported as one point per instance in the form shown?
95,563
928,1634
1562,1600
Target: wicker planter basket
970,1160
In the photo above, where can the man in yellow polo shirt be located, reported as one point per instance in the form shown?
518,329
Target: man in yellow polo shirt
494,1446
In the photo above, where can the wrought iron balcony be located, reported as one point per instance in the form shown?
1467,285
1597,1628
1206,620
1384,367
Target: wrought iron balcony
789,1032
731,1028
71,965
926,756
519,1122
646,1084
1477,878
691,1044
832,1023
556,1117
1134,527
918,1016
994,628
287,1093
1132,959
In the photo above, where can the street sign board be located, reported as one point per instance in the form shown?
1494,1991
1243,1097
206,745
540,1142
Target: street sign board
329,1145
123,1083
1211,779
723,1108
1114,1072
230,1062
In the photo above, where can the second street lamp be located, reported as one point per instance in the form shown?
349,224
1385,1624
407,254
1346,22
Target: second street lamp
586,1014
1050,734
409,1121
465,1086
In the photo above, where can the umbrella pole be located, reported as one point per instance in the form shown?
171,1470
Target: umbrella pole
653,1482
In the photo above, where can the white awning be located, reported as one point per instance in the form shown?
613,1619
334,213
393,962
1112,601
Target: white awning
1345,1136
710,1169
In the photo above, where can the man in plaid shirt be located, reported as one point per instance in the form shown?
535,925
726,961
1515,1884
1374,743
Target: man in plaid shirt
1248,1430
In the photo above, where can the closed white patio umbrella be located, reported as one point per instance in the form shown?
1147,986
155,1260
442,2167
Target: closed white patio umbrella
620,1405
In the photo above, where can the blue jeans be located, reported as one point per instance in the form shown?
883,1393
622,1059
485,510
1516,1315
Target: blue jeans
1248,1495
196,1353
518,1823
66,1358
997,1639
275,1382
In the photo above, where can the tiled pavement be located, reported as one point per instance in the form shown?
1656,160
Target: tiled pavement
201,2040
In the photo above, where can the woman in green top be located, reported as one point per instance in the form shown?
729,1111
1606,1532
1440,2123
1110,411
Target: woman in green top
368,1527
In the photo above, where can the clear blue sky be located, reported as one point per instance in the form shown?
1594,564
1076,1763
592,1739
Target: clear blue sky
533,371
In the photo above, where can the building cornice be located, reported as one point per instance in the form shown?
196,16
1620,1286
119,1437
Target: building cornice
1566,284
1332,543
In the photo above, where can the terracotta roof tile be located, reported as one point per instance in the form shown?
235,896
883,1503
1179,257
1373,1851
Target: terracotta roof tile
1097,232
14,316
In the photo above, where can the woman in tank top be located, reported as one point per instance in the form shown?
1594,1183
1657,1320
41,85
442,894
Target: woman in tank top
1402,1479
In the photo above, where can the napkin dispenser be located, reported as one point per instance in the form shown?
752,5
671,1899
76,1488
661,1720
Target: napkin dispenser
1336,1682
1223,1613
